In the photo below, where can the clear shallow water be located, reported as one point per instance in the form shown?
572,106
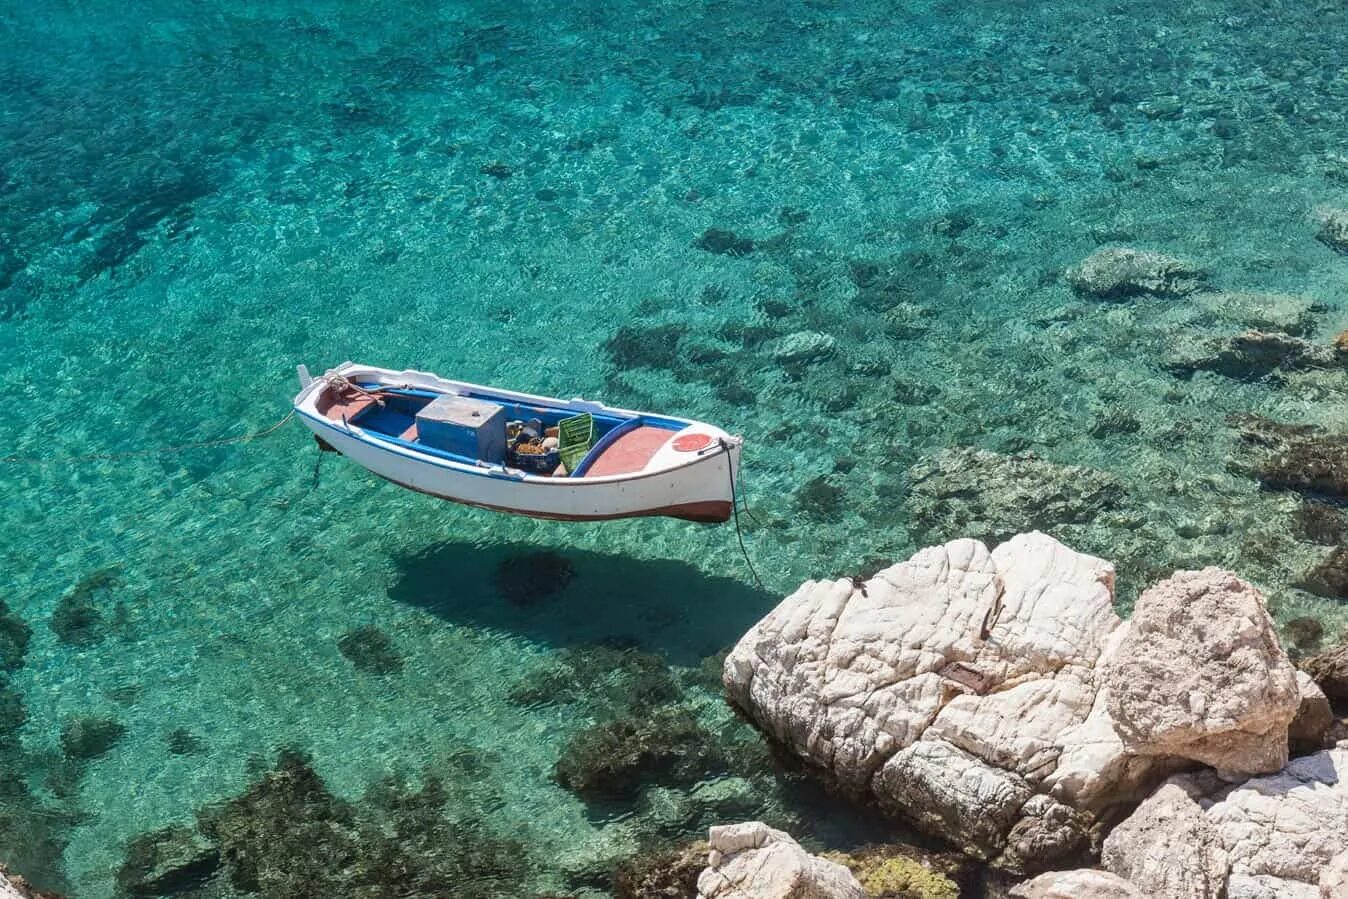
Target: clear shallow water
193,200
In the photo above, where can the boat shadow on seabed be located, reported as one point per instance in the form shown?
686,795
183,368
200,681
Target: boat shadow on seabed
563,597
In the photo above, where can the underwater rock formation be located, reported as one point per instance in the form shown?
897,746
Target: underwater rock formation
90,737
613,680
287,835
182,741
1250,355
78,619
1329,577
168,861
1333,231
1201,675
991,496
1117,273
724,243
1303,458
754,861
671,874
615,759
370,650
14,636
803,347
1279,312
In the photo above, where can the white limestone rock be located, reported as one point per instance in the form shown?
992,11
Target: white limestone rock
1201,675
1314,717
951,687
1334,877
1242,886
1289,825
1169,848
1083,883
754,861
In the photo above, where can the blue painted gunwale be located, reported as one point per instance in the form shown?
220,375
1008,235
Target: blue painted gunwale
477,468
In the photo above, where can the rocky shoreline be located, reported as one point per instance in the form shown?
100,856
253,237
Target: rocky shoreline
994,699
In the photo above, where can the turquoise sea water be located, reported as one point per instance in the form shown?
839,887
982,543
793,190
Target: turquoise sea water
196,197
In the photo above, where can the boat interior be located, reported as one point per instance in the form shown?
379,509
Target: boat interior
616,444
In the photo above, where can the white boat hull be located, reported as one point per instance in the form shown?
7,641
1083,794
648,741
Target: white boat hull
696,486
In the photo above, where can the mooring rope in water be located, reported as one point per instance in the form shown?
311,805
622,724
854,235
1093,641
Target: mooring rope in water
155,451
735,509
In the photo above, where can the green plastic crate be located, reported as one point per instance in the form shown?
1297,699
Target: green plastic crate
575,437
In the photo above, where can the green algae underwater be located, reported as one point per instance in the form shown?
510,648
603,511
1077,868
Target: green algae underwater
840,229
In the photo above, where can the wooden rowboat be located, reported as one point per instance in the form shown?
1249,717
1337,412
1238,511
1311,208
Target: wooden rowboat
467,443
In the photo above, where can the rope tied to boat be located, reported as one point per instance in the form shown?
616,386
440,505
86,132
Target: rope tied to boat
726,447
153,451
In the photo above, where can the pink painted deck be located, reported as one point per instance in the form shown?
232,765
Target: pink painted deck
630,452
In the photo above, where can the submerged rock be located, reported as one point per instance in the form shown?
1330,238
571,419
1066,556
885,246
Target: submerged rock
804,347
1321,523
1304,458
724,243
1333,231
182,741
370,650
1287,313
78,617
1201,675
14,637
168,861
287,835
639,346
1116,273
1251,355
958,689
615,759
90,737
611,679
671,874
992,496
753,861
1329,577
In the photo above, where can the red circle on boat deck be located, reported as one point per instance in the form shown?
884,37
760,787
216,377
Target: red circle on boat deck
691,443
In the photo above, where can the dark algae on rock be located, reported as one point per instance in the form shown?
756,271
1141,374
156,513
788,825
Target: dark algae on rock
371,650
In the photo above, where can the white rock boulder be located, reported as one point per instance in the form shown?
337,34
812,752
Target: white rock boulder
1083,883
754,861
1168,847
1334,877
1201,675
960,689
